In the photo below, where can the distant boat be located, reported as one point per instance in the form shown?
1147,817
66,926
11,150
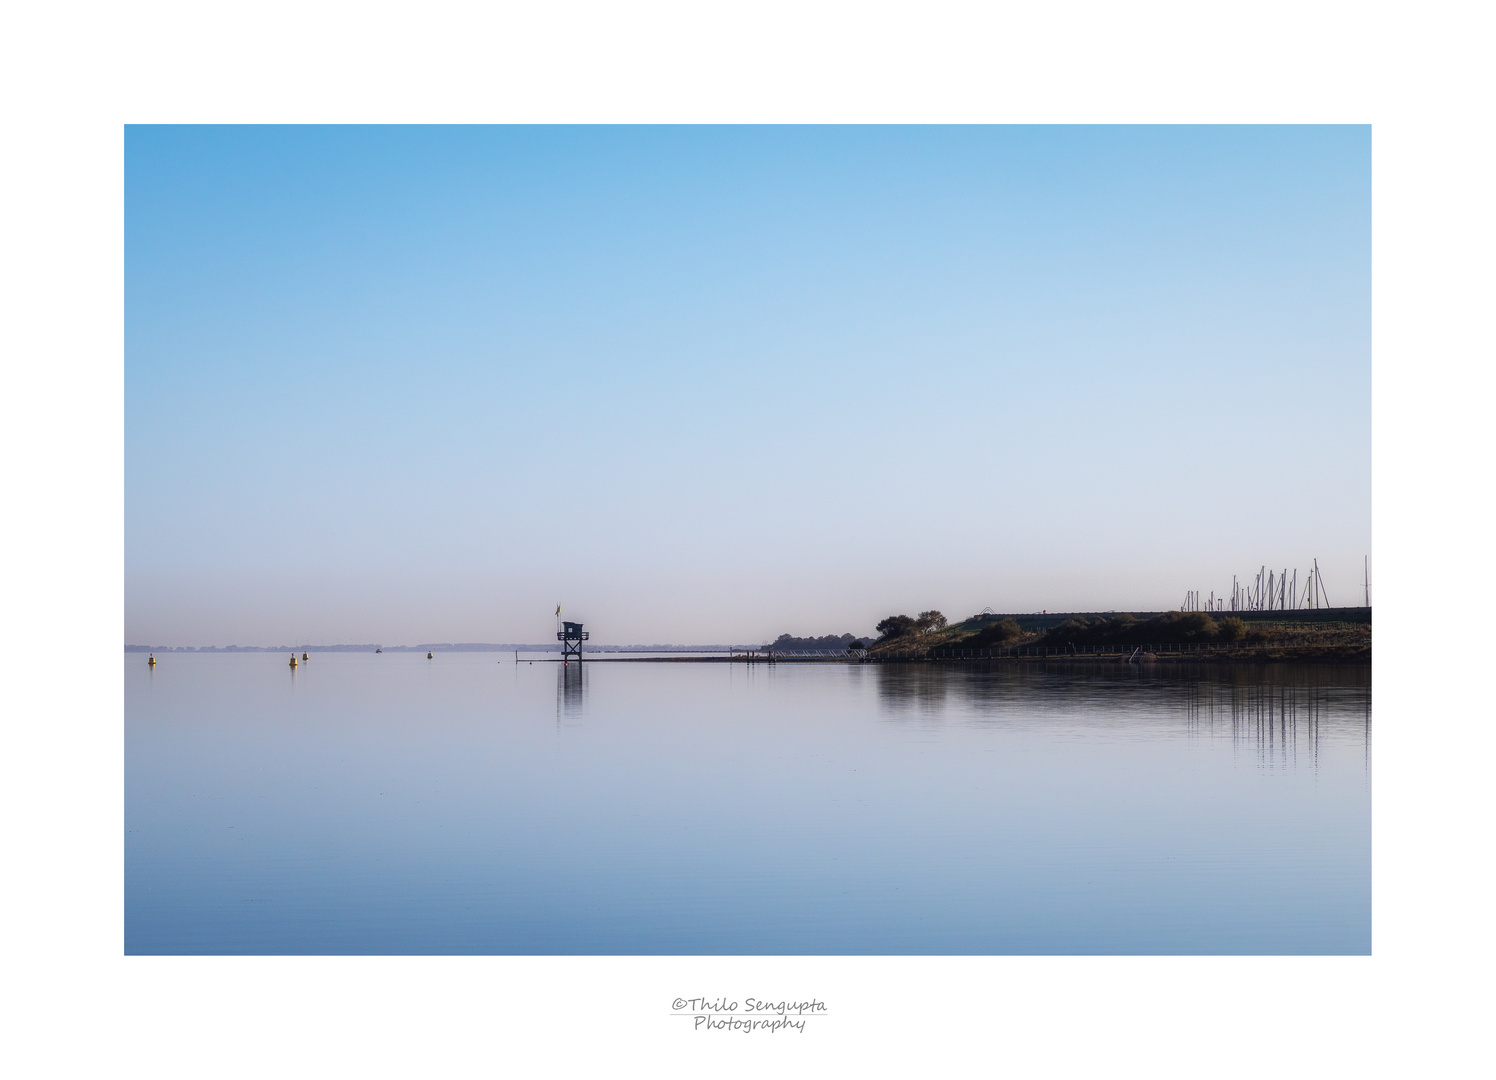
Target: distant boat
379,650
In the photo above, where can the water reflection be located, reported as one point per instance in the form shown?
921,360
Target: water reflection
396,805
923,688
571,691
1283,717
1280,712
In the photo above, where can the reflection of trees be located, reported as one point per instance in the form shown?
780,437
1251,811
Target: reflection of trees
913,687
930,687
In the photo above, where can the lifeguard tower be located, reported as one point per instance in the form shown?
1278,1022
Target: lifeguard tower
571,635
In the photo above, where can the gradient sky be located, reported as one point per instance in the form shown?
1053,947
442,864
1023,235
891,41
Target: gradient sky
421,384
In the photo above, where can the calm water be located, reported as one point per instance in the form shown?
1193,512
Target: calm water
391,804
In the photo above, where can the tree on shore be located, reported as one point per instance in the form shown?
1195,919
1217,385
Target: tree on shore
896,626
930,620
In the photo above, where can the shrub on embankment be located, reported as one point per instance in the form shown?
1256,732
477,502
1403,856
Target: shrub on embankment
994,635
1168,628
1232,628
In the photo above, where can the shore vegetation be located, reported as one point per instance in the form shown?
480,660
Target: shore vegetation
1292,636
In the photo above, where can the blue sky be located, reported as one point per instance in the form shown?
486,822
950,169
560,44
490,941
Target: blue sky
421,384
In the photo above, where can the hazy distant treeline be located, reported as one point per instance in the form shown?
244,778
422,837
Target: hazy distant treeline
832,642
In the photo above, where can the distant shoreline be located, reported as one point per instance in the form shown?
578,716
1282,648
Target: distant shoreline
1285,626
1329,654
552,647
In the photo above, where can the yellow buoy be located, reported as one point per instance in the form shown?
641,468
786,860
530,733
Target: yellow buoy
428,656
293,659
304,656
152,661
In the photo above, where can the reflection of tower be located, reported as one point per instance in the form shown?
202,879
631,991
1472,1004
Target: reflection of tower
571,636
570,691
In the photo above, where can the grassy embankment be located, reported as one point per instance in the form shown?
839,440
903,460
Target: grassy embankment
1339,635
